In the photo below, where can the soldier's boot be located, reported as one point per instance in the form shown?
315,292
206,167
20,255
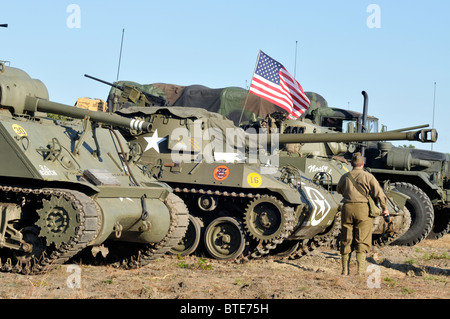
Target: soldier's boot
345,264
361,261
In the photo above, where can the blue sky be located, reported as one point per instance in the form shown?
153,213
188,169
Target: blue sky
216,43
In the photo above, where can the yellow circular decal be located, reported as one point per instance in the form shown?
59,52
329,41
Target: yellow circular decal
254,179
19,130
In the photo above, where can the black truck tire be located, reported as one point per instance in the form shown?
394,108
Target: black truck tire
422,214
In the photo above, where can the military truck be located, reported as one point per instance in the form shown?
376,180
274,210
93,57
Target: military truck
69,185
423,175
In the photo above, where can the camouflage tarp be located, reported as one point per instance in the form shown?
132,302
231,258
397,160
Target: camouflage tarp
228,101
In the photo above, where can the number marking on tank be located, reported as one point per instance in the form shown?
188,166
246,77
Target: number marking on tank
254,180
45,171
19,130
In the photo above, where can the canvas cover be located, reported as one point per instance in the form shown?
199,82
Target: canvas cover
228,101
215,121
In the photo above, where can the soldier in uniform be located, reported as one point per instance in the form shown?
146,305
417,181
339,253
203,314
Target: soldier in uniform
356,223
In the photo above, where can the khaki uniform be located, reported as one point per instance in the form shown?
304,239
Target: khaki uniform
356,223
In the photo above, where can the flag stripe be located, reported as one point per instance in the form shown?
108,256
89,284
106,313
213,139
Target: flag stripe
272,82
273,100
265,88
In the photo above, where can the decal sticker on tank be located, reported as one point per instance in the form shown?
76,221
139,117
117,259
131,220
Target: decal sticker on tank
254,180
324,168
153,142
321,207
19,130
221,173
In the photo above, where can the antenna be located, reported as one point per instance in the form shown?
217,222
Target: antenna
120,55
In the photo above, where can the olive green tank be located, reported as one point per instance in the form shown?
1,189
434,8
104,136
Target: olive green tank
68,185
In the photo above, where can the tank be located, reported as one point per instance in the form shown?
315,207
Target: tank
68,185
242,202
428,187
423,175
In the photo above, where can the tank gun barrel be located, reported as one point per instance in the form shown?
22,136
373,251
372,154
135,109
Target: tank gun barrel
35,104
21,94
105,82
133,94
424,136
410,128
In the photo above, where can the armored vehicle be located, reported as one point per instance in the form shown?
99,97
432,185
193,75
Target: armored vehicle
423,175
236,191
69,184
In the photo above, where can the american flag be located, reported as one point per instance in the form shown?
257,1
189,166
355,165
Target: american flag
272,82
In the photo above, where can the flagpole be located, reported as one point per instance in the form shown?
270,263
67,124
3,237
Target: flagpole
248,91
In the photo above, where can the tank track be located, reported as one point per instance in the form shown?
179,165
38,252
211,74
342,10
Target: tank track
131,256
378,241
391,236
262,248
88,218
306,246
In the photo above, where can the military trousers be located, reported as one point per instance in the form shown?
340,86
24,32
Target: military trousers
356,234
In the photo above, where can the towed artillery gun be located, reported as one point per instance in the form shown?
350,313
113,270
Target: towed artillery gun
242,200
68,185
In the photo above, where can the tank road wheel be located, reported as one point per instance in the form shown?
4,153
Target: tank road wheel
189,243
225,238
30,236
66,222
422,214
269,222
265,218
441,223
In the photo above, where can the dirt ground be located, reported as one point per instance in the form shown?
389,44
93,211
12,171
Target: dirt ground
394,272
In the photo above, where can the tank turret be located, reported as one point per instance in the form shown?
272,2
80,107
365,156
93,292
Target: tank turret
60,196
23,95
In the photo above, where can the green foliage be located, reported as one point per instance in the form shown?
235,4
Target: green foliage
201,264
